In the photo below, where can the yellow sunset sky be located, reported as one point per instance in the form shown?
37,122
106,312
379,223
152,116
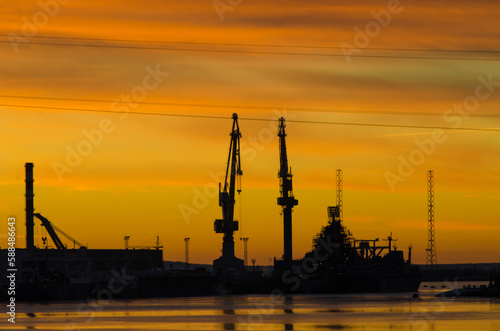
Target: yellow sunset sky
149,175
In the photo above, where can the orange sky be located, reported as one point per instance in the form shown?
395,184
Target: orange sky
146,169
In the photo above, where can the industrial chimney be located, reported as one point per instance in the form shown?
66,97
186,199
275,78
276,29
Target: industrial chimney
30,241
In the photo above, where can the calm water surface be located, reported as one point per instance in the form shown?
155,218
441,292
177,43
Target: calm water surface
266,312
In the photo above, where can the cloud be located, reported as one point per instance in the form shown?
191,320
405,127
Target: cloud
155,158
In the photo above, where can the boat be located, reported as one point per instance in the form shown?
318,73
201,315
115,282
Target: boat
491,290
339,263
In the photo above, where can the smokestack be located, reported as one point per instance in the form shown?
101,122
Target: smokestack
30,241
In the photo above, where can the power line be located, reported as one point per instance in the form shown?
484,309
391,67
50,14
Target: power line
264,45
261,52
326,110
257,119
115,112
397,126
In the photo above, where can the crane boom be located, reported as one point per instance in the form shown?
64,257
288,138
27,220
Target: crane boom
227,225
74,241
286,199
52,228
48,226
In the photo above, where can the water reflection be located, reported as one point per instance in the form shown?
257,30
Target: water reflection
308,313
332,327
229,326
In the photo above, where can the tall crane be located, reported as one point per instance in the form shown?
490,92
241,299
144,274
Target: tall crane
227,225
286,199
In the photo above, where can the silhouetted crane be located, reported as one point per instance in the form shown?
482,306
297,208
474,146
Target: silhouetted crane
52,228
286,200
227,224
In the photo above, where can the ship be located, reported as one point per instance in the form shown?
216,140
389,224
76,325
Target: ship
492,290
339,263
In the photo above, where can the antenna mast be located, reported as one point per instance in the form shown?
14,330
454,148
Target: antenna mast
431,247
340,194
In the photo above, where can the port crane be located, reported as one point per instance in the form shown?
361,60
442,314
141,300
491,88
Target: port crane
52,228
286,200
227,225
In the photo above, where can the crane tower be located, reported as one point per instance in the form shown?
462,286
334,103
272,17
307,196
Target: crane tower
227,225
286,199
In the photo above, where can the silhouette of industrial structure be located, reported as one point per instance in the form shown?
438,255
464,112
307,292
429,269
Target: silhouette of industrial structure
339,262
63,273
286,200
340,194
30,222
431,245
227,225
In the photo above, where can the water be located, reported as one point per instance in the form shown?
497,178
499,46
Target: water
266,312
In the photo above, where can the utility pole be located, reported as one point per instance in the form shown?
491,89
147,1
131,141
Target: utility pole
186,248
431,246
